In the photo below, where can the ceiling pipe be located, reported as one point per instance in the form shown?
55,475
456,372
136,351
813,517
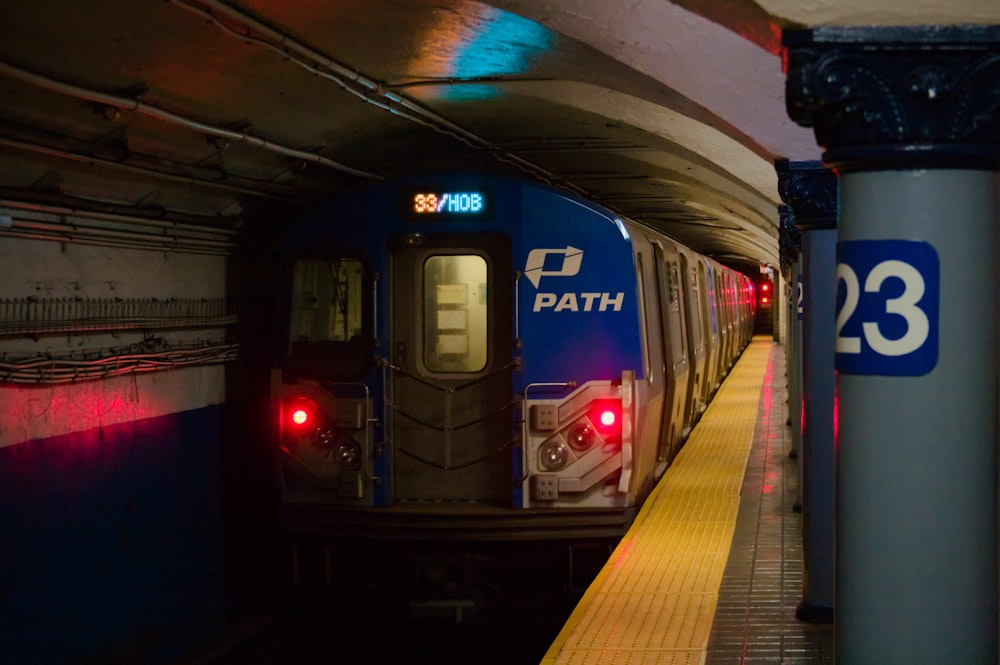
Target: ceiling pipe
137,105
32,221
374,92
72,237
60,204
256,189
98,232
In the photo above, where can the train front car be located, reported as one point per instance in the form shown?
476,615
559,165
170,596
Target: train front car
459,359
581,346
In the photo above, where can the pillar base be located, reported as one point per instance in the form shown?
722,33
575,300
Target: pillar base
813,613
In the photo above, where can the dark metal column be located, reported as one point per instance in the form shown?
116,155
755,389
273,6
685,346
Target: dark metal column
811,191
795,363
910,119
790,249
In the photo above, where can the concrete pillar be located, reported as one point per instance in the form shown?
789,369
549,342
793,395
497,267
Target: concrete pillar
909,119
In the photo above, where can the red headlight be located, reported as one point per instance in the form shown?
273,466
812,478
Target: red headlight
607,418
300,413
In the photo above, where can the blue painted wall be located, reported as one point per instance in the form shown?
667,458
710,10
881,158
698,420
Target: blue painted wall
130,543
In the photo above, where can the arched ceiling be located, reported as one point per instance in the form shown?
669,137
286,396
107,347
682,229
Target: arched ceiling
244,114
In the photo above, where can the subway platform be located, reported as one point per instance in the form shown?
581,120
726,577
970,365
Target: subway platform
711,570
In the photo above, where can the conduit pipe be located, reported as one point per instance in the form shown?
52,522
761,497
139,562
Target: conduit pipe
137,105
64,231
170,241
80,239
371,91
52,370
41,222
113,213
252,189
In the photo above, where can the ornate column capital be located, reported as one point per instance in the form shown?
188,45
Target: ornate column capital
810,189
789,239
898,98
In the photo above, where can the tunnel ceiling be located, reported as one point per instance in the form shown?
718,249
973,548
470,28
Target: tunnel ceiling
242,115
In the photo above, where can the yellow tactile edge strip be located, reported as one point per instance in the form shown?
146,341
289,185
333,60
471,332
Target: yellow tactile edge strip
654,600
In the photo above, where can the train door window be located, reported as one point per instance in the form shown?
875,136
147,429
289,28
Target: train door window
694,311
705,300
326,317
455,310
689,293
677,305
713,303
666,272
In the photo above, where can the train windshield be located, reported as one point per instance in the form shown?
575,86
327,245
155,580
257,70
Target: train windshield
327,317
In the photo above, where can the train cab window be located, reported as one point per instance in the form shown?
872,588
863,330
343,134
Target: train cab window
327,318
455,326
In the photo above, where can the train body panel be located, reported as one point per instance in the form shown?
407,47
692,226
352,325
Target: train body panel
466,345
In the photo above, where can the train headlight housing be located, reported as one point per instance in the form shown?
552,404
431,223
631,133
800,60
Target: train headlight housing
347,452
324,436
581,436
553,454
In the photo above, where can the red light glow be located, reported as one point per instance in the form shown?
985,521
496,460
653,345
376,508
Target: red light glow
300,416
30,413
608,418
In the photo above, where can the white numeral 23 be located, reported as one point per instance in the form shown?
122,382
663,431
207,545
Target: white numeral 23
917,324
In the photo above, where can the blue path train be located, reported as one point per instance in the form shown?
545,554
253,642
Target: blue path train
476,357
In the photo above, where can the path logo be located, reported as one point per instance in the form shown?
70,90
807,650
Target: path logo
572,259
534,266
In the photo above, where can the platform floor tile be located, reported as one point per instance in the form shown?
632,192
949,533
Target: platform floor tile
711,572
762,584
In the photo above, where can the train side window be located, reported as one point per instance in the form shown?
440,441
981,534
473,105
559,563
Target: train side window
455,326
327,334
326,300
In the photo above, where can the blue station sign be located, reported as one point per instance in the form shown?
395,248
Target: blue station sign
888,294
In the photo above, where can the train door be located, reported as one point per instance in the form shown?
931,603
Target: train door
671,313
715,332
710,328
695,337
746,310
725,324
733,322
449,414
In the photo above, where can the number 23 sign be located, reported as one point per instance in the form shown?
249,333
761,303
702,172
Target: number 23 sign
887,307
